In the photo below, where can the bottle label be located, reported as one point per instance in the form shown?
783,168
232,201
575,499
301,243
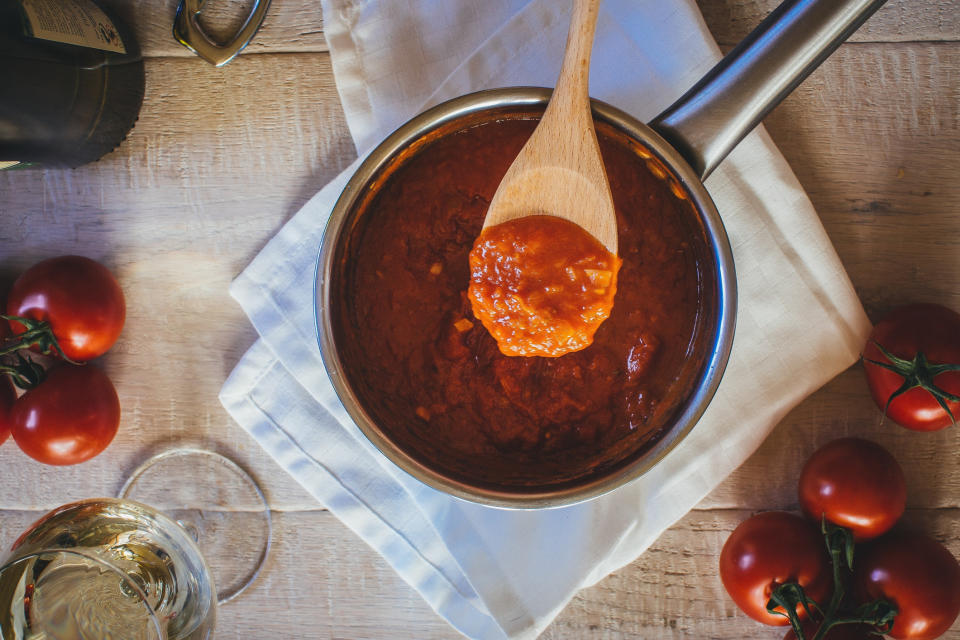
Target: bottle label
78,22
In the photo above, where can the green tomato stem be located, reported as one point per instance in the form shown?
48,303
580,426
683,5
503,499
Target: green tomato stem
26,373
840,546
788,596
839,543
917,373
37,332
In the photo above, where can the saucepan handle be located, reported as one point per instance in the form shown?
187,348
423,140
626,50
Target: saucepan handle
708,121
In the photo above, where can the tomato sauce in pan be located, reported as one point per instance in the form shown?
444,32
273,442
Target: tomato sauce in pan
433,378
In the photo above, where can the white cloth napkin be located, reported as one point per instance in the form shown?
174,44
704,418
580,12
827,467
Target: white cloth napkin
496,573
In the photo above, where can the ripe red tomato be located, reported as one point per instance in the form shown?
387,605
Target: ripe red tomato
68,418
770,549
856,484
8,396
80,299
934,332
919,575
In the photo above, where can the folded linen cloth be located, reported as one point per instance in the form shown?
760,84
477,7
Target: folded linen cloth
495,573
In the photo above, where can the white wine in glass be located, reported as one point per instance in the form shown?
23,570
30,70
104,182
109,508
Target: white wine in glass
106,569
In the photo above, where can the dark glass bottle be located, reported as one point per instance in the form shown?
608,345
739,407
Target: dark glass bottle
71,82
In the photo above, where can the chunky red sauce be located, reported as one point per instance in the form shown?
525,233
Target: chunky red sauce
541,285
434,379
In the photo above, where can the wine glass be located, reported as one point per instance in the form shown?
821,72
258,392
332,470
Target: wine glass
215,500
106,569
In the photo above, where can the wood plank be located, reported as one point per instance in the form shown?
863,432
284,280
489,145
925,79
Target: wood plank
897,21
322,581
297,25
211,172
873,137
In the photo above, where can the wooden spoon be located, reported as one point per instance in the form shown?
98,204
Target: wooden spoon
559,171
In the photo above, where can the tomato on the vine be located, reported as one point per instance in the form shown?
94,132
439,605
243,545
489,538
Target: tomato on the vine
69,417
8,396
770,549
854,483
912,362
918,575
80,299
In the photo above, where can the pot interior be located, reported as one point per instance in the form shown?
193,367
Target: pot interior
426,381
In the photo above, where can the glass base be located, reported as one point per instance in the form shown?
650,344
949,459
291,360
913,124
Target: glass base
219,503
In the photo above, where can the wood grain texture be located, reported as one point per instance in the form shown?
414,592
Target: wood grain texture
222,157
874,137
896,21
296,25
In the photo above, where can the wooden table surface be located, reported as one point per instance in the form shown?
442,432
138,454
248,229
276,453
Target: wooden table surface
221,158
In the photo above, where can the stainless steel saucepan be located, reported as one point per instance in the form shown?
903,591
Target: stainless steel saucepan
690,138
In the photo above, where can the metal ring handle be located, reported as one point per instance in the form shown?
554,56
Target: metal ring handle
188,32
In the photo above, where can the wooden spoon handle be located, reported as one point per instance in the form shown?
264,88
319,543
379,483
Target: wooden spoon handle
572,93
560,171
